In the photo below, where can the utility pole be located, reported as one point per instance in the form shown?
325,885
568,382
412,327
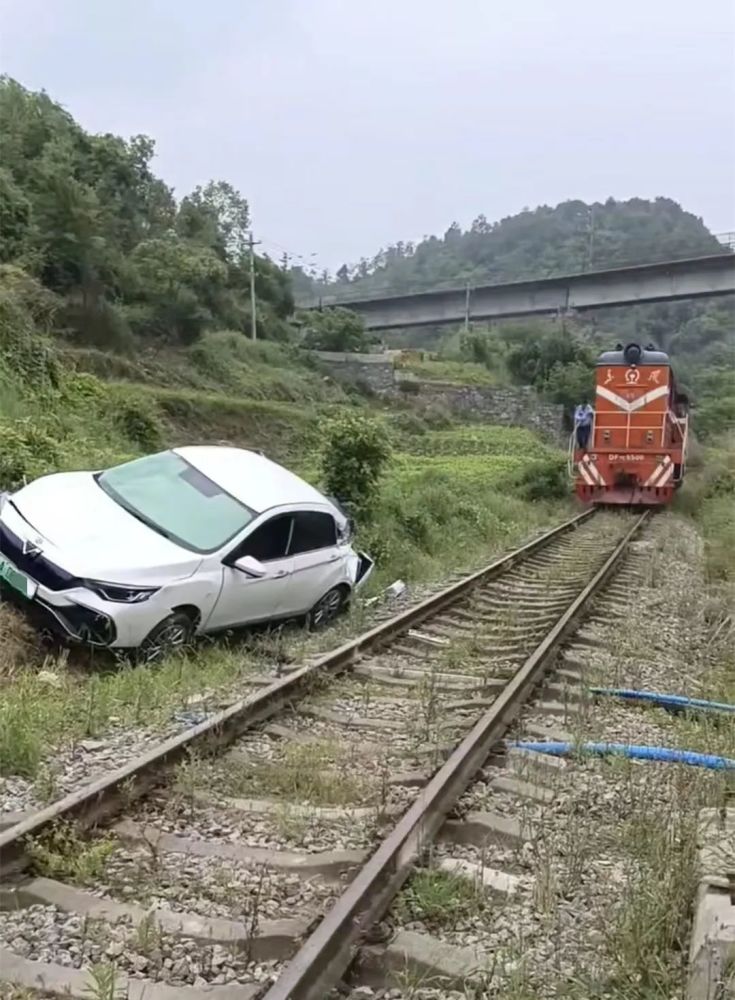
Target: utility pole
591,238
253,310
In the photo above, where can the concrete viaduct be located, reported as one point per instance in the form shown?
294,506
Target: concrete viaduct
679,279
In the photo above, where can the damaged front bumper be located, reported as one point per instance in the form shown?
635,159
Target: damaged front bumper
71,621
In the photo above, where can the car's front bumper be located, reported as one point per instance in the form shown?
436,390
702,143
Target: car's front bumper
70,621
82,616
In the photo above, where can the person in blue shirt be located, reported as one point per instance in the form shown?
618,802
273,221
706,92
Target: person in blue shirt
583,414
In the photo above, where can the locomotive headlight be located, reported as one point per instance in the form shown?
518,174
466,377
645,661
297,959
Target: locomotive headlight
632,354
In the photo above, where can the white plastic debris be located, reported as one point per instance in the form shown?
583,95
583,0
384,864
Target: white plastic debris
49,677
395,590
391,593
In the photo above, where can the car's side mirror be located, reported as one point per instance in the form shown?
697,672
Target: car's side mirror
250,566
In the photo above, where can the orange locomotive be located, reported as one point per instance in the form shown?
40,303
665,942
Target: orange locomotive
637,444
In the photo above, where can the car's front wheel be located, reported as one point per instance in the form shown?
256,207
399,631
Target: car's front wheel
173,633
328,607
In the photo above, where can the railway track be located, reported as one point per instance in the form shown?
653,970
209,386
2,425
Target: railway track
258,853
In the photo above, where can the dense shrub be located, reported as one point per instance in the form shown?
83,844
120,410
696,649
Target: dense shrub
715,416
82,391
214,358
335,330
105,366
409,387
410,423
363,387
354,458
138,419
546,479
29,356
40,304
438,416
717,519
98,324
26,452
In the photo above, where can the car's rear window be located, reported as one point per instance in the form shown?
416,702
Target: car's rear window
177,500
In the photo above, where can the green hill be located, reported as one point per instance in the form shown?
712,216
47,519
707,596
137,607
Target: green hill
573,236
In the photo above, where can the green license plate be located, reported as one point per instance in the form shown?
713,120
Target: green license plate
18,581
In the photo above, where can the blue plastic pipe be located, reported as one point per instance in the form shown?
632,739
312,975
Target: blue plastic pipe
560,749
676,701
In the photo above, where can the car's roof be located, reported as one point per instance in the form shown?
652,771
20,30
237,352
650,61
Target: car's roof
251,478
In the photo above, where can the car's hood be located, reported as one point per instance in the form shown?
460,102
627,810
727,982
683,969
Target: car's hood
85,532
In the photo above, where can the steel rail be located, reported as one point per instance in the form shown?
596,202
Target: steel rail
324,957
109,794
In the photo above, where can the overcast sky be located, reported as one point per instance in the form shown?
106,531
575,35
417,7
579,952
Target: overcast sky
350,124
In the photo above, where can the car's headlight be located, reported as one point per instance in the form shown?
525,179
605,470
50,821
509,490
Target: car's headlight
118,593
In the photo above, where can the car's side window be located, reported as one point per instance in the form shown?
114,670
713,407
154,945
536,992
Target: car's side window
268,542
312,530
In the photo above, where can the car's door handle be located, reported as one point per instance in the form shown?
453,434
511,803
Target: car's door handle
279,573
333,558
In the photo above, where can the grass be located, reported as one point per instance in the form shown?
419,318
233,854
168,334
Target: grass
18,643
62,853
317,772
441,899
282,430
62,705
223,362
477,439
104,983
436,515
651,921
450,372
708,495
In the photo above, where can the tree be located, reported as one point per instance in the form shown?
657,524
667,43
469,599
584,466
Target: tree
86,214
335,330
16,237
570,383
218,216
176,284
75,253
356,452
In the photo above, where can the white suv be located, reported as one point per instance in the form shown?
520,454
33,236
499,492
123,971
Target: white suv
189,541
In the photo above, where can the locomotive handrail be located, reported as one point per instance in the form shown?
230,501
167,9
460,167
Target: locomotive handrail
570,455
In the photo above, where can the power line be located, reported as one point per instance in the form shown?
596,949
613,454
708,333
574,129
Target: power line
307,259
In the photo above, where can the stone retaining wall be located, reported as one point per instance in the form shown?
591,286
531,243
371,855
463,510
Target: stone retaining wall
373,370
520,407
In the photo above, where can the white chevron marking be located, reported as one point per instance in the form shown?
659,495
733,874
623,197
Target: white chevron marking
630,406
664,468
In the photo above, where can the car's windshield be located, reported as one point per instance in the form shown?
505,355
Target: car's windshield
176,500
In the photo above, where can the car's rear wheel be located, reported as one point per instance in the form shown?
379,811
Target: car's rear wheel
172,634
327,608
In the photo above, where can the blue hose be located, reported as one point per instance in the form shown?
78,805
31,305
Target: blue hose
675,701
560,749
